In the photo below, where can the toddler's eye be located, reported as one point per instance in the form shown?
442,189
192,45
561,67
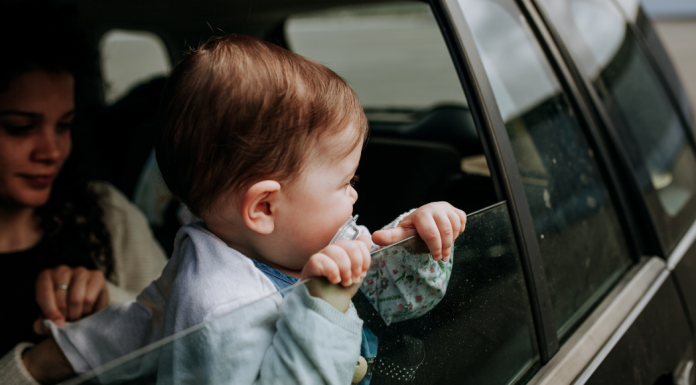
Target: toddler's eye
354,180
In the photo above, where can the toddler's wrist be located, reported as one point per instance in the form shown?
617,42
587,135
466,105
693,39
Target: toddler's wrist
337,296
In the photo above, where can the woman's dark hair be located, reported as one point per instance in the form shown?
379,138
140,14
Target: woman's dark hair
36,35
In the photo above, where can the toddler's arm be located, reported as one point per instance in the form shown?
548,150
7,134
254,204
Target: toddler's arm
310,336
300,339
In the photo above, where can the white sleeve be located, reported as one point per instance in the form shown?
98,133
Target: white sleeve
138,257
304,340
12,369
113,332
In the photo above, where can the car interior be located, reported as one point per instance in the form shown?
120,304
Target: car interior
416,153
423,146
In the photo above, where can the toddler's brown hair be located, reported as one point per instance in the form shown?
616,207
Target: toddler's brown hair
239,110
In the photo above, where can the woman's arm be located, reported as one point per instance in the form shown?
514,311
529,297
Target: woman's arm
138,257
65,293
30,365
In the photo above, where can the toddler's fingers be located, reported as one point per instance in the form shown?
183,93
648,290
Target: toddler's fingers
446,229
462,216
354,251
367,240
456,221
367,258
321,265
428,230
387,237
339,255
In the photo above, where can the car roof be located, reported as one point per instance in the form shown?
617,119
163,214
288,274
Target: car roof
194,19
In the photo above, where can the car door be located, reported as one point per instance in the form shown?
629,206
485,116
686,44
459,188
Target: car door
642,339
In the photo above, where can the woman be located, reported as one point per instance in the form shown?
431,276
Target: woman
68,247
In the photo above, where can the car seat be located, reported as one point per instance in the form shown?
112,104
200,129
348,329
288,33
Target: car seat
449,124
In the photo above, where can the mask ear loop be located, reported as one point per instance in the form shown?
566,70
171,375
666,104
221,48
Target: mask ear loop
349,231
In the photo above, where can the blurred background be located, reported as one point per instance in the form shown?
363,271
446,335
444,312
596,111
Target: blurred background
675,21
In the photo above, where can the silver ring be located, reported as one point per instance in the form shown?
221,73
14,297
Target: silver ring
64,287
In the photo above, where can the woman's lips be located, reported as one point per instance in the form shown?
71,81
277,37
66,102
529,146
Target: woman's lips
38,181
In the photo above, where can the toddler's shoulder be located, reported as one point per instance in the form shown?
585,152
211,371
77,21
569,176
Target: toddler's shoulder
211,278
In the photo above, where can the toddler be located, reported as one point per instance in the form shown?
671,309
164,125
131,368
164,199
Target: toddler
263,144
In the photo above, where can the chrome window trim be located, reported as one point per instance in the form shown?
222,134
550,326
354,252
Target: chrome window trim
682,247
585,350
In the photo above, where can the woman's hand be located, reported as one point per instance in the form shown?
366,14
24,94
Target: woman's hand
68,294
343,264
438,223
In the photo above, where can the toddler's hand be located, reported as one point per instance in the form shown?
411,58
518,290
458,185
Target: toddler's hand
344,263
438,223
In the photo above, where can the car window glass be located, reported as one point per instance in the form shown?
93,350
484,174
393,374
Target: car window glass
393,55
648,125
581,241
630,8
198,354
480,333
129,58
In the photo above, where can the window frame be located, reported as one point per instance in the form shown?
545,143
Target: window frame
647,36
640,208
503,166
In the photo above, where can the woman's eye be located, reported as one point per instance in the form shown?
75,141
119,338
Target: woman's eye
63,127
354,180
17,130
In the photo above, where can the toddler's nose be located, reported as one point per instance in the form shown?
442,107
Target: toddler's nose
353,194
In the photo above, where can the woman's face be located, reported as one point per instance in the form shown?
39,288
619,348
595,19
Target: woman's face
36,112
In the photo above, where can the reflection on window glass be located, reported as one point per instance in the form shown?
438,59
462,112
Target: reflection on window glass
649,126
200,355
630,8
582,245
393,55
129,58
480,333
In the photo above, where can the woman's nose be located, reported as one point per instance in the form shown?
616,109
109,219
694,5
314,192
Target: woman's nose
48,147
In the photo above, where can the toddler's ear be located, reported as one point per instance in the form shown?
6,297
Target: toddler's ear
258,205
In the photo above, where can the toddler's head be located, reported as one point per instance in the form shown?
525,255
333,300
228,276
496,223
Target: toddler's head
262,144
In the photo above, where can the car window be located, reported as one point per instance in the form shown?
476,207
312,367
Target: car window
582,244
393,56
651,130
129,58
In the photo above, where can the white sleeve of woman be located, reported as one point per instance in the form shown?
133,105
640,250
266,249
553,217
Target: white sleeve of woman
138,257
